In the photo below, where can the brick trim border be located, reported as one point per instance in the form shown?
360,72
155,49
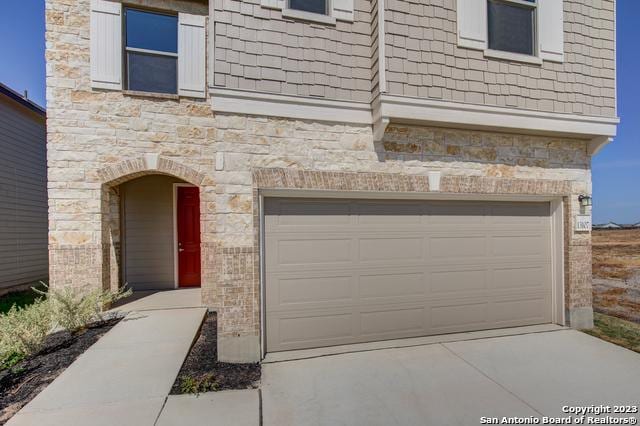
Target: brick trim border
118,173
277,178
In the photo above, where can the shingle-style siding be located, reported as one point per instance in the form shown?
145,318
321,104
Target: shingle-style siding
23,195
257,49
423,60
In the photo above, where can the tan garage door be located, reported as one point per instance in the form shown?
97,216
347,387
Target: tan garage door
346,271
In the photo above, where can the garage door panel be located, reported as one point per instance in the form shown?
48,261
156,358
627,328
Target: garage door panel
403,249
407,214
384,321
523,276
521,310
295,213
433,268
455,247
521,214
304,289
535,245
312,251
451,282
443,213
445,316
392,286
294,331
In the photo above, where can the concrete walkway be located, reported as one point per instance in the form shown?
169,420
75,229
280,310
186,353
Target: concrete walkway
125,377
226,408
454,383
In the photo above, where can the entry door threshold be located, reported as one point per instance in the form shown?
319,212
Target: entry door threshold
272,357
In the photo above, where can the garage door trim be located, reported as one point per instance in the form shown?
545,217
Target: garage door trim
556,217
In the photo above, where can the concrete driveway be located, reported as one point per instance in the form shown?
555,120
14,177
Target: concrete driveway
454,383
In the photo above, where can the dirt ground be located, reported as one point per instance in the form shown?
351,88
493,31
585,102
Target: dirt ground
21,383
616,273
202,372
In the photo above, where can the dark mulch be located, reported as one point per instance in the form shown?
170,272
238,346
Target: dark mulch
202,365
21,383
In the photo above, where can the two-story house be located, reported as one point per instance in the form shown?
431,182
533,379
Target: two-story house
331,171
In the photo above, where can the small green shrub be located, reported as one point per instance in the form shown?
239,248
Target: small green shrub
10,359
23,330
74,309
206,383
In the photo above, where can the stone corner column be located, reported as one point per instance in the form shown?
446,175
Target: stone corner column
578,270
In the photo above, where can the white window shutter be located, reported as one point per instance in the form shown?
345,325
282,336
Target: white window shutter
472,23
106,45
274,4
551,29
342,10
191,55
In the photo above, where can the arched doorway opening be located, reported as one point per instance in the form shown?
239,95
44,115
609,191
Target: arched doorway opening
159,237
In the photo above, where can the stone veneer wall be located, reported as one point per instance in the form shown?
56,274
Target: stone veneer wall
98,140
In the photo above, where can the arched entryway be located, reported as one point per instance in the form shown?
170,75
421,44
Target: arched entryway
154,215
160,233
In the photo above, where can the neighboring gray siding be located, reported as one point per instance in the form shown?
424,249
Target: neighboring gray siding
148,232
256,49
423,60
23,195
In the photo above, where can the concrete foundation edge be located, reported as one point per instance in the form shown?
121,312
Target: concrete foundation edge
580,318
240,350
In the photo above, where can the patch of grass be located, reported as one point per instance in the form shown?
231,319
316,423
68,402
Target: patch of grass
20,298
615,330
616,254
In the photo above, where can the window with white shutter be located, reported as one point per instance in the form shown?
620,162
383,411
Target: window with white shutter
521,30
106,45
551,30
191,55
147,51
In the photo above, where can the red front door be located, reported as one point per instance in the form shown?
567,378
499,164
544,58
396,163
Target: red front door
188,221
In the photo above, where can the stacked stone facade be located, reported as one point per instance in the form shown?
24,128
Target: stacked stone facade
99,139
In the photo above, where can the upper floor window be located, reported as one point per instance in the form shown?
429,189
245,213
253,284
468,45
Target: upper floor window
312,6
526,31
151,51
511,26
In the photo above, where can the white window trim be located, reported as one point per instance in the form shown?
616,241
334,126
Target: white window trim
287,12
512,56
308,16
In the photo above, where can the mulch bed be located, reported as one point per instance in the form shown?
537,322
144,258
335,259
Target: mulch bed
202,366
21,383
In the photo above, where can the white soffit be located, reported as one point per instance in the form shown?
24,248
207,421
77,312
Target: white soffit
435,112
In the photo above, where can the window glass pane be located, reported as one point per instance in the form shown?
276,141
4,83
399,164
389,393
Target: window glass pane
511,27
152,73
313,6
152,31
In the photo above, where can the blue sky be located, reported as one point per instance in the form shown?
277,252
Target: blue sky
616,169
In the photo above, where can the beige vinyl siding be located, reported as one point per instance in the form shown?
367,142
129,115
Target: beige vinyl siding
257,49
148,232
23,196
424,61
